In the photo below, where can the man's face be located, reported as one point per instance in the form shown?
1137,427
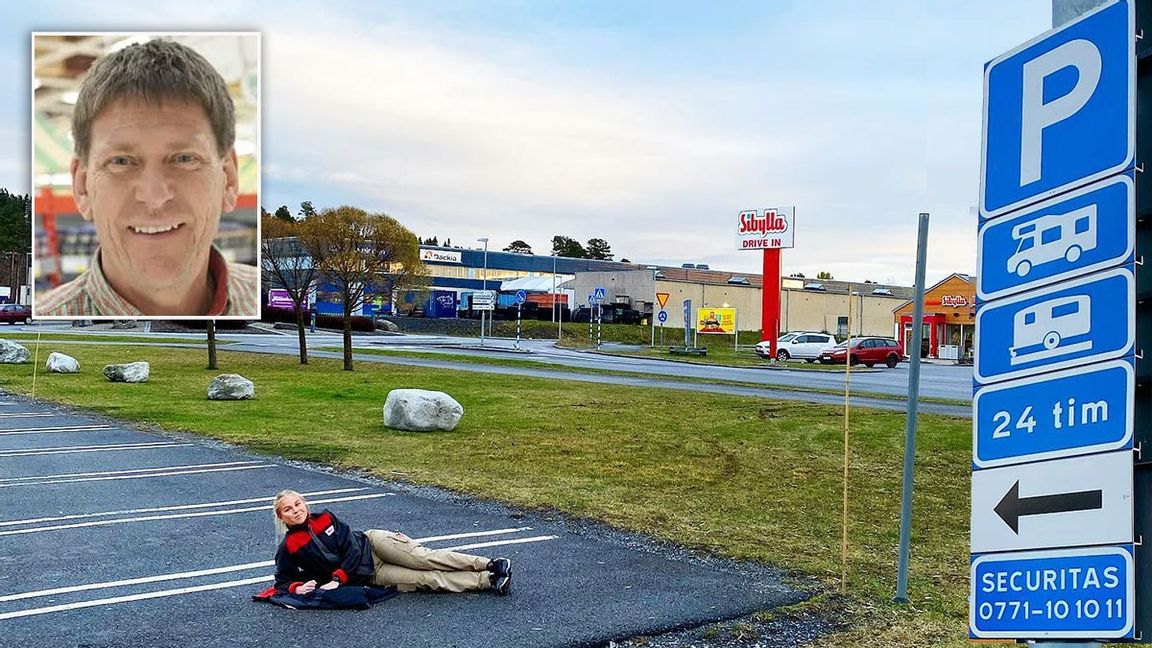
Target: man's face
155,186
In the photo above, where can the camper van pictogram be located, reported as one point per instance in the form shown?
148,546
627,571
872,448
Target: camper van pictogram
1051,328
1051,238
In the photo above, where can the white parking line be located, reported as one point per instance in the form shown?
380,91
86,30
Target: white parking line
133,597
50,430
124,472
176,516
174,473
500,543
110,447
4,415
473,534
181,507
135,581
182,590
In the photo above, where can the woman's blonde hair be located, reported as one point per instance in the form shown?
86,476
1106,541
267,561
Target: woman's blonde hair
279,526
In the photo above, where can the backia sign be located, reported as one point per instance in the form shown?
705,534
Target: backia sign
767,229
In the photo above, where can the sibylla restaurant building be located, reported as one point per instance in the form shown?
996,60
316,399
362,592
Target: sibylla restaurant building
949,320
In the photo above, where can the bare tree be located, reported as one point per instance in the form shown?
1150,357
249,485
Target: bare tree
354,250
285,263
211,332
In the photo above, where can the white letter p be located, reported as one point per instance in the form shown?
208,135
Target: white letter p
1037,115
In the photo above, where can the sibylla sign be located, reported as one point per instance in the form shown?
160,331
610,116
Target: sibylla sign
767,229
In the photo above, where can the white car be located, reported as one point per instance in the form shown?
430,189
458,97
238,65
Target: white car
801,346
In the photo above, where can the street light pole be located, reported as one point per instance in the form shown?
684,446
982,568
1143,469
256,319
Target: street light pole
484,279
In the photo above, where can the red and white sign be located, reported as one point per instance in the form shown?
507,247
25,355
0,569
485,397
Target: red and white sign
772,228
955,301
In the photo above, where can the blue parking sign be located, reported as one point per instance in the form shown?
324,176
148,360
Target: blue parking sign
1060,414
1059,111
1065,325
1083,231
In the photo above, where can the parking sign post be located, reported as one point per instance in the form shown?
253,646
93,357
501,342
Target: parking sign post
910,419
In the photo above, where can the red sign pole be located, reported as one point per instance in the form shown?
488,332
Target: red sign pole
770,307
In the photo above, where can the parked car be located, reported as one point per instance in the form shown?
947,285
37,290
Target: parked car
801,346
609,314
13,313
869,351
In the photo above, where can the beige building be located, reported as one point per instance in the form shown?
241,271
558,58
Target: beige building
805,304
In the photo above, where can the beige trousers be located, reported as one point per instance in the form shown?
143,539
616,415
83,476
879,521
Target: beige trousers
408,566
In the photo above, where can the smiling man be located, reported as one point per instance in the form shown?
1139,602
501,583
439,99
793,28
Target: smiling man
154,169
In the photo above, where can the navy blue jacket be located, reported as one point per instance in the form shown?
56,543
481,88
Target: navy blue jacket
341,598
323,549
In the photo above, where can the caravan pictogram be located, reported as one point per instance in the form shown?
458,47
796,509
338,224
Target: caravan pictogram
1051,328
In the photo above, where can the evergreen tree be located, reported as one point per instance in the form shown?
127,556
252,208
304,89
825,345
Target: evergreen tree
519,247
598,248
15,228
568,247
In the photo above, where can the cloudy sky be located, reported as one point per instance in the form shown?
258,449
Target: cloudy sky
649,124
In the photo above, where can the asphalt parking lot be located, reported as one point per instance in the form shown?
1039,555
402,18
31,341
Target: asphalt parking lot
113,536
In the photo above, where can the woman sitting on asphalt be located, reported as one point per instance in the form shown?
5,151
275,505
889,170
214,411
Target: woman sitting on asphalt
318,551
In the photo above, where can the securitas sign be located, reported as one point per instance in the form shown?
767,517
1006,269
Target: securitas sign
771,228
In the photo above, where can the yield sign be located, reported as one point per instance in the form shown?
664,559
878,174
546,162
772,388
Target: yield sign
662,298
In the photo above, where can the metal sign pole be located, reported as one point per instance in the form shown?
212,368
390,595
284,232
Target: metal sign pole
599,323
517,326
735,334
910,419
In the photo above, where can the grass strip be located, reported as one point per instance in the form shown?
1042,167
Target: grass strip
100,337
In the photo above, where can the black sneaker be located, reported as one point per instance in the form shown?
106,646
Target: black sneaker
500,567
501,583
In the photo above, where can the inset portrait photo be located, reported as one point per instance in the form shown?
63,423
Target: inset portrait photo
145,157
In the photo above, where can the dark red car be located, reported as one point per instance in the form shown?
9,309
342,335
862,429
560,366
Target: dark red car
13,313
869,351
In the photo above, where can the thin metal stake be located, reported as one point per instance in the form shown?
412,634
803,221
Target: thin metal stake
847,390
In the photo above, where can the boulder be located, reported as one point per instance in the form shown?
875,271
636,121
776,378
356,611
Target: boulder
123,324
133,372
231,387
62,363
420,410
12,353
387,326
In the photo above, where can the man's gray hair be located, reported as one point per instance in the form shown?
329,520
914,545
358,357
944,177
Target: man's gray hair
154,72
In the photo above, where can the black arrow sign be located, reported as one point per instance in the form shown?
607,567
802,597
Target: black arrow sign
1012,506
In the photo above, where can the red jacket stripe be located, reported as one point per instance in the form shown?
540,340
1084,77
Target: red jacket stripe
297,540
320,523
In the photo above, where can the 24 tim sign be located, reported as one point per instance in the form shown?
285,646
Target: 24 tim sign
1059,111
772,228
